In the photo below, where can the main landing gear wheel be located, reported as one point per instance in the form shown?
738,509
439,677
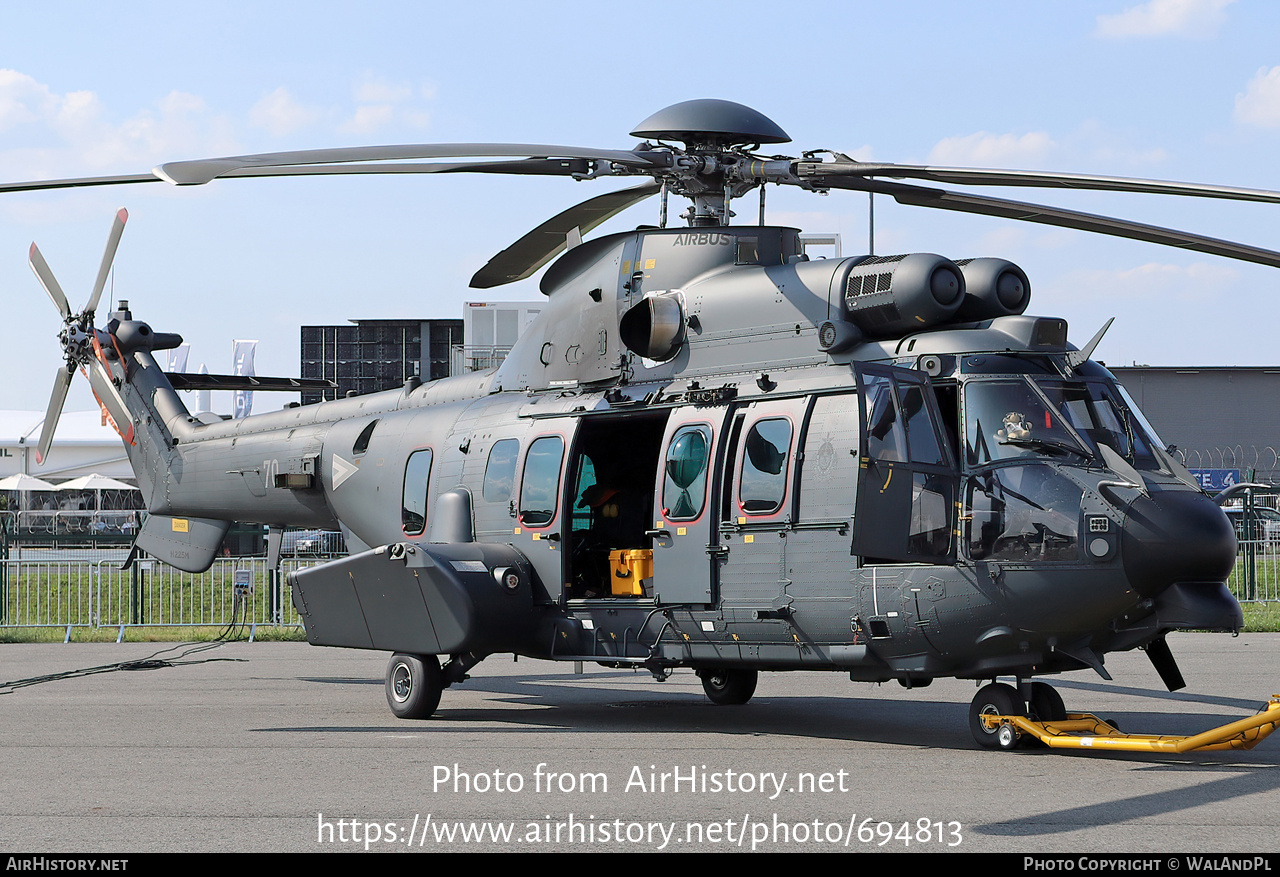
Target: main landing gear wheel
995,699
729,687
413,685
1046,703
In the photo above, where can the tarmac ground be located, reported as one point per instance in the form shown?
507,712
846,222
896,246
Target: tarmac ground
287,747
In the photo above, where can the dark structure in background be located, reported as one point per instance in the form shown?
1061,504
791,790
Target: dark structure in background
1225,417
373,355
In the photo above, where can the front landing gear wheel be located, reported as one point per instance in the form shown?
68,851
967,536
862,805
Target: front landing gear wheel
995,699
729,687
413,685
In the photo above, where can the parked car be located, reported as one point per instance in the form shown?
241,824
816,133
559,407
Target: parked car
1266,523
310,542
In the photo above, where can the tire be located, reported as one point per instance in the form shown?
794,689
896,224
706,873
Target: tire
1046,703
729,687
995,699
413,685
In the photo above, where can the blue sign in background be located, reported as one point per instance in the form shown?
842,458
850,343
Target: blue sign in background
1216,479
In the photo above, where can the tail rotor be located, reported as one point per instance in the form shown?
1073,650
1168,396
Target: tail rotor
81,346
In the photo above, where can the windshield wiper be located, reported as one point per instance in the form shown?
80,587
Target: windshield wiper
1046,444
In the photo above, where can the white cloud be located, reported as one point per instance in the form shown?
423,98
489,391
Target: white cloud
382,103
1158,18
379,91
987,149
368,119
24,101
280,114
1199,282
1260,103
47,133
181,124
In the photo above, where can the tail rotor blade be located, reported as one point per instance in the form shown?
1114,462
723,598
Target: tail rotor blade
61,383
111,399
108,256
49,282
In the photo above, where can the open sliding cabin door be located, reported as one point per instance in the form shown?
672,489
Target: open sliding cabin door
907,480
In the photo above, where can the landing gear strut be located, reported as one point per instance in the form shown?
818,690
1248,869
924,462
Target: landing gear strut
1035,700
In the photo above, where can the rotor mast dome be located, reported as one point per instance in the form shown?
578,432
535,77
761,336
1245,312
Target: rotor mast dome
710,121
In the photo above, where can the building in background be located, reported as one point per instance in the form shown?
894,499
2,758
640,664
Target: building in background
372,355
490,330
1219,417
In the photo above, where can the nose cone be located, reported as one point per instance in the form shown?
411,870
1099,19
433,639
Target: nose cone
1176,536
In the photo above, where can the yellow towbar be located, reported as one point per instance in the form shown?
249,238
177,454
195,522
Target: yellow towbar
1085,731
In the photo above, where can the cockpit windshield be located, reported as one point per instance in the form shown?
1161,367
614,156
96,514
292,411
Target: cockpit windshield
1007,420
1100,417
1021,417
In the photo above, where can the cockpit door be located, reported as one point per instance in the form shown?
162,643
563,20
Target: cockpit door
907,479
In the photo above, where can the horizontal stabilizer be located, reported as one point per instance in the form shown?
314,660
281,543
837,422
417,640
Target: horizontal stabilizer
190,544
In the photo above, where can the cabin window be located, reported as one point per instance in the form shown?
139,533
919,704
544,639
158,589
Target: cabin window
764,466
362,440
540,485
413,506
684,487
500,471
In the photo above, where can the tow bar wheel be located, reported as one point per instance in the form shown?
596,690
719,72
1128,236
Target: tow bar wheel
413,685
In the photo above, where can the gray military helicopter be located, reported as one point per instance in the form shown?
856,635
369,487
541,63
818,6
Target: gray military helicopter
709,451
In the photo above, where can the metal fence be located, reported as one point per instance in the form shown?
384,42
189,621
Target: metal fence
472,358
242,591
1256,576
73,594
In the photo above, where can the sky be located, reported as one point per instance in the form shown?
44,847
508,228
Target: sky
1167,89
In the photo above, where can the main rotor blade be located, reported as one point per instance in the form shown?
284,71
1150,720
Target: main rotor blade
1038,179
920,196
538,247
49,282
559,167
108,256
194,173
61,383
117,180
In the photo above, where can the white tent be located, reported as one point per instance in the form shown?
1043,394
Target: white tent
95,482
24,483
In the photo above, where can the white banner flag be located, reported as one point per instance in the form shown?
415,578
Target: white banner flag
178,358
242,403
